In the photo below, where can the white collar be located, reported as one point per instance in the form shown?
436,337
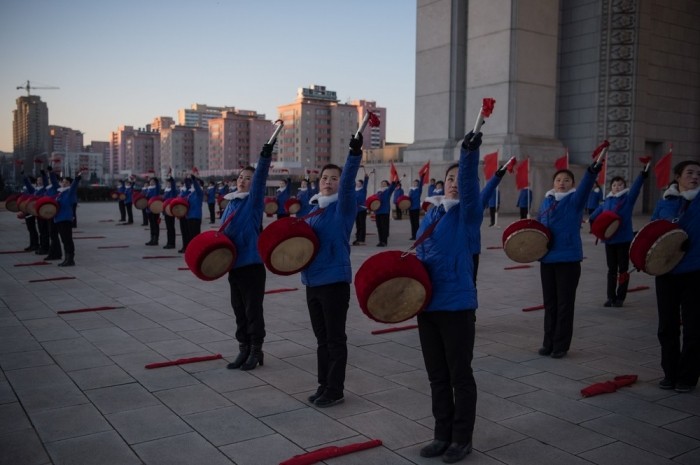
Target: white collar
619,194
435,199
559,195
236,195
449,203
62,189
323,200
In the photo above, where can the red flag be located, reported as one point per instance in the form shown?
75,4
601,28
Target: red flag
600,148
490,165
394,173
373,120
522,178
562,163
487,107
511,164
601,176
662,171
645,159
424,172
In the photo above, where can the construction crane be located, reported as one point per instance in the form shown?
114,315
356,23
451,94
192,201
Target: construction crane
29,87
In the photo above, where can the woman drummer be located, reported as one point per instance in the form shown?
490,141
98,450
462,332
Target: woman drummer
328,277
447,326
247,277
560,269
621,201
676,291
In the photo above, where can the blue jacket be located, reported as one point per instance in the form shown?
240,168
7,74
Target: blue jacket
524,199
687,214
446,253
398,192
594,199
244,228
333,228
151,192
494,200
283,196
28,185
415,193
431,189
211,194
195,199
563,218
623,206
385,199
122,188
361,195
304,197
170,192
52,187
65,202
484,196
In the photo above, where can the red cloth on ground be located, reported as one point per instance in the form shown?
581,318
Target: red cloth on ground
599,388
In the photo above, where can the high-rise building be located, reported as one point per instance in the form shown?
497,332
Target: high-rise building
182,148
30,130
162,122
374,137
317,128
235,139
134,150
101,147
64,139
199,115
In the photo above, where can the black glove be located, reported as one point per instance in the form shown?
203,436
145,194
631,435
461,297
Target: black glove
266,151
356,144
471,141
42,172
49,169
595,168
645,174
21,173
500,172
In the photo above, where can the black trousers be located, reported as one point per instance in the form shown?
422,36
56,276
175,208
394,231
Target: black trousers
30,222
54,240
247,286
399,213
170,229
194,227
43,234
184,232
414,218
212,213
618,259
492,214
361,225
447,342
154,226
382,220
122,211
523,213
75,215
559,283
144,214
328,310
65,231
676,299
475,260
129,212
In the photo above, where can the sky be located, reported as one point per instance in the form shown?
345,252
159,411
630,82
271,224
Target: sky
127,62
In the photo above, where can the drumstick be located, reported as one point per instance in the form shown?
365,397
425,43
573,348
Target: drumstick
601,151
273,137
363,125
484,112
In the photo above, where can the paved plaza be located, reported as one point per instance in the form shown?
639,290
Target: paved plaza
74,388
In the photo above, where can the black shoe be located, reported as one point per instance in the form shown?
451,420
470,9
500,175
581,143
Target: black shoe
182,250
381,244
667,384
412,239
31,248
544,351
168,246
682,388
617,303
608,303
243,353
41,251
356,243
327,400
558,354
435,448
456,452
255,358
317,394
53,257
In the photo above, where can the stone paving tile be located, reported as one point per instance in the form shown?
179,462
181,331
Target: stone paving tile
7,395
105,448
499,385
50,329
405,402
223,380
22,447
120,398
192,399
643,435
490,435
689,427
80,361
619,453
156,334
262,401
495,408
308,427
68,422
17,360
531,451
13,418
271,449
362,383
227,425
147,423
394,430
622,403
186,449
560,407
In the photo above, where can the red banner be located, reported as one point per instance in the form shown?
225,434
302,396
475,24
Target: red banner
562,163
490,165
662,171
394,173
424,173
522,174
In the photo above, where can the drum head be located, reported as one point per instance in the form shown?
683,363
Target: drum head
665,253
179,210
217,263
47,210
292,255
526,245
396,300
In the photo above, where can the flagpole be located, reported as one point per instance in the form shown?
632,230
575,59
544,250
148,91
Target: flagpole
528,189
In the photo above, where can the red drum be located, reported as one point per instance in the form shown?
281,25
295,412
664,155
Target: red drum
22,203
403,202
427,206
392,286
30,206
166,206
140,201
210,255
46,208
292,205
115,195
155,204
373,203
287,245
179,206
11,203
606,225
526,240
270,206
122,196
658,247
223,202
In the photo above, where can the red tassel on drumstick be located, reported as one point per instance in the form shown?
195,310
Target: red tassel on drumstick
486,110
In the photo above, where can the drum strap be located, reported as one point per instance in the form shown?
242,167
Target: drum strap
427,232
